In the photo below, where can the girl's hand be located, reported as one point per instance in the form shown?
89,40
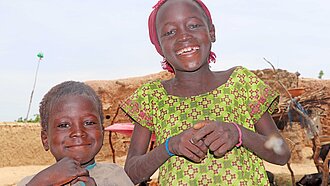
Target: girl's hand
219,137
182,145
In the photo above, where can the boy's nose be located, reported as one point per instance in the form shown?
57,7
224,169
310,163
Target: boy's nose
78,132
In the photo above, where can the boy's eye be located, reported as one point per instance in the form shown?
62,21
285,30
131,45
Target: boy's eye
63,125
89,123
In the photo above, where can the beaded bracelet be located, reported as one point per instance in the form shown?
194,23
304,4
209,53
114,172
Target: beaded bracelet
166,147
239,135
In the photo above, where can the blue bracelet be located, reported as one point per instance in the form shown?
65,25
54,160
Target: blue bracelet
166,147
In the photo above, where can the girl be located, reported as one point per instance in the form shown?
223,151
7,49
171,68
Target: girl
211,127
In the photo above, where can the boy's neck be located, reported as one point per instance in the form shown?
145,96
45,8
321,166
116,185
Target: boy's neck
89,164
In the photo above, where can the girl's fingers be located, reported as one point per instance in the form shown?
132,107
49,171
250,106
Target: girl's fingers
201,133
222,150
216,145
201,145
199,125
190,155
197,151
209,139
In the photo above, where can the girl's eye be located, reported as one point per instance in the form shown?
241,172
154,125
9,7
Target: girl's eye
193,26
63,125
171,32
89,123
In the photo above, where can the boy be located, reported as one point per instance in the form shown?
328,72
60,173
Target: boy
71,122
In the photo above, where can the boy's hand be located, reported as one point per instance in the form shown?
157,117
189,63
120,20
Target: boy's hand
62,172
89,181
66,170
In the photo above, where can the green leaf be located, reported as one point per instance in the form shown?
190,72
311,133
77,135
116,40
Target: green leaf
40,55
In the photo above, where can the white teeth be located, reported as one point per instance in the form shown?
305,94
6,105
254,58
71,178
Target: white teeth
188,49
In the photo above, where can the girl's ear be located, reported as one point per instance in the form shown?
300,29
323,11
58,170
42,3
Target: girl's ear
212,33
44,140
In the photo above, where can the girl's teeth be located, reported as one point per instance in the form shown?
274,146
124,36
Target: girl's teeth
186,50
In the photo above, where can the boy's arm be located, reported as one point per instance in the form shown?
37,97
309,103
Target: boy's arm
64,171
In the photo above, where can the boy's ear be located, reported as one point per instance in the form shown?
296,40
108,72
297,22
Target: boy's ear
44,140
212,33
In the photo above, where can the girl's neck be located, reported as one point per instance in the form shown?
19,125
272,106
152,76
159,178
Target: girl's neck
193,79
186,84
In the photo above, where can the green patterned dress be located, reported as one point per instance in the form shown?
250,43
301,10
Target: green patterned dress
242,99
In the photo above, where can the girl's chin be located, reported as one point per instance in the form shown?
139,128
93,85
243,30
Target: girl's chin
191,67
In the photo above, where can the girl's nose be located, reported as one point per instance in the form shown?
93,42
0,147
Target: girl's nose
184,36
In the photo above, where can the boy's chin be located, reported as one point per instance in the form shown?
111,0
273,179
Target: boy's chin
83,161
85,164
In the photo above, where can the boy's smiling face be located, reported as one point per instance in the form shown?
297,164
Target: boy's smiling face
184,34
74,129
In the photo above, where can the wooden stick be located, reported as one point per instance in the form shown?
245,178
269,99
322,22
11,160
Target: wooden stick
286,90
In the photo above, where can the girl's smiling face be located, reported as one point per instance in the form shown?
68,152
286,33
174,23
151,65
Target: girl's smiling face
184,34
74,129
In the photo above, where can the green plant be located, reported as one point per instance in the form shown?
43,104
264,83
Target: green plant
36,119
321,73
20,119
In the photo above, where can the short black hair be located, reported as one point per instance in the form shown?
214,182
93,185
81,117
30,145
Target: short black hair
64,89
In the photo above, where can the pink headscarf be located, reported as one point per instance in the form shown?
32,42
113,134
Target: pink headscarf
153,32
